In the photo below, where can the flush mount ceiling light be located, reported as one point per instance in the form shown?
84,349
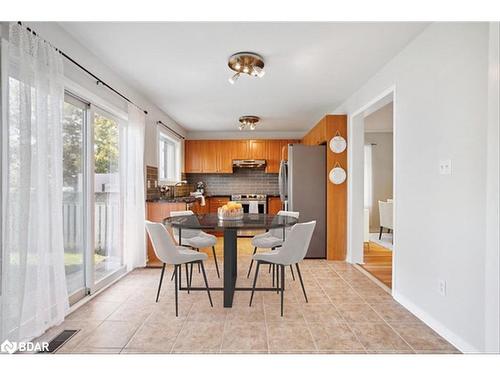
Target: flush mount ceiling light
246,63
248,122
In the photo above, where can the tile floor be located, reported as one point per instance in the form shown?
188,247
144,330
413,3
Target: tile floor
346,313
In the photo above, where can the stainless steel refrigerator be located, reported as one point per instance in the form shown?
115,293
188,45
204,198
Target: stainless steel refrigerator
305,181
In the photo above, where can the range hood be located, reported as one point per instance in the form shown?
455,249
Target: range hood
249,163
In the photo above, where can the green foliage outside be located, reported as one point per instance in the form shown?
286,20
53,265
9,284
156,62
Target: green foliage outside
106,139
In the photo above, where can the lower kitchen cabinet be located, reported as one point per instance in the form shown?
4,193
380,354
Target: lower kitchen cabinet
273,205
198,209
213,204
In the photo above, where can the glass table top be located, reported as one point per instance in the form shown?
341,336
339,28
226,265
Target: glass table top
249,221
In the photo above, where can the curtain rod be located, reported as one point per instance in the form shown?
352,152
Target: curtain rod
99,81
172,130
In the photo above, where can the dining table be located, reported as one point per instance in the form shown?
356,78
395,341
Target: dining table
230,228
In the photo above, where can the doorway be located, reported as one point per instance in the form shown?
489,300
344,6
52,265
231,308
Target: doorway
378,193
371,189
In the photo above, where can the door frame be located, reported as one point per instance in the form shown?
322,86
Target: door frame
354,199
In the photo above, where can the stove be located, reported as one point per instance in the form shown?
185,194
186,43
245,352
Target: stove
252,204
248,197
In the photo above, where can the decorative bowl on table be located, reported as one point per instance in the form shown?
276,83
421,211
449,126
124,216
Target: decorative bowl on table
230,211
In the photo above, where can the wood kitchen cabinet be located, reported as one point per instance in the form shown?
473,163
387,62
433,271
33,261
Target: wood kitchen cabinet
224,156
198,209
257,149
209,152
239,149
273,205
216,156
157,211
193,156
213,204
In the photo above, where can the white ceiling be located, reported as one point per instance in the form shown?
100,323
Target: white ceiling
182,67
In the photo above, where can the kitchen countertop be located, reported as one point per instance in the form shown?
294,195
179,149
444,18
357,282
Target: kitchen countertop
172,200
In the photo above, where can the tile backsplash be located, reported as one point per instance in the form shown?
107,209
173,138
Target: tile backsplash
252,181
152,178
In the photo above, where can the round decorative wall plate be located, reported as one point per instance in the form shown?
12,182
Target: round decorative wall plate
338,144
337,175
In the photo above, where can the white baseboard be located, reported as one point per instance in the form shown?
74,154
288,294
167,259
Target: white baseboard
452,337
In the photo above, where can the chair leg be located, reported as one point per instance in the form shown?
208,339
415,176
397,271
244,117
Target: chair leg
216,264
176,296
301,282
187,277
270,265
173,274
277,278
272,268
198,250
254,282
161,279
380,233
191,274
291,269
206,282
180,276
251,263
282,286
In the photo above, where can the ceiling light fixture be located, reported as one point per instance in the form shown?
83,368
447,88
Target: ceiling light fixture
246,63
248,121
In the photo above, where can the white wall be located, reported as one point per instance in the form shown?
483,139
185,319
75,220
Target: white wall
492,277
440,113
61,39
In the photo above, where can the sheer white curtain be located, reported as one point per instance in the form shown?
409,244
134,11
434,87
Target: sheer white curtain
34,295
133,189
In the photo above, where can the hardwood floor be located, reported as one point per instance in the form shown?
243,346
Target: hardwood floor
378,262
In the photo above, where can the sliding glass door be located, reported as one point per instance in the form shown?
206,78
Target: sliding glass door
74,199
108,256
91,198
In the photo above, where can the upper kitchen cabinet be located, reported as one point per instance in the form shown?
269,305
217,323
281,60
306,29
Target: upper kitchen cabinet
216,156
257,149
273,157
210,151
193,156
208,156
239,149
224,157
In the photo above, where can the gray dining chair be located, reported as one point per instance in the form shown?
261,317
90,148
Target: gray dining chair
292,252
271,240
195,238
169,253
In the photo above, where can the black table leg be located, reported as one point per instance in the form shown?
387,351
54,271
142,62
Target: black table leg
230,265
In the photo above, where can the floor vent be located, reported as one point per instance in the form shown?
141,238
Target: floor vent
59,340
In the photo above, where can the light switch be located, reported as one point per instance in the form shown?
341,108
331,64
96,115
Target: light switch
445,167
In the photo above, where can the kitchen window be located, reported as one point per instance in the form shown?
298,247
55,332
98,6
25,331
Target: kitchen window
169,159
